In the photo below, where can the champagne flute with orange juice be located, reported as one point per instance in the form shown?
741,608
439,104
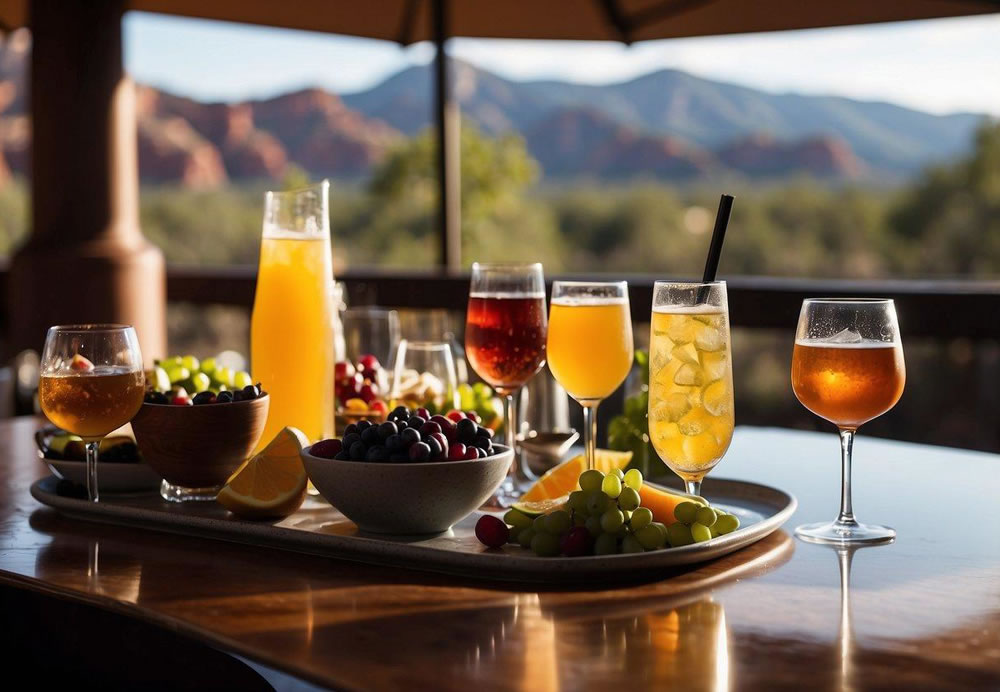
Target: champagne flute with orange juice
589,347
291,332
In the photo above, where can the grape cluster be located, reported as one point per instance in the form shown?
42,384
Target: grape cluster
411,437
603,517
697,523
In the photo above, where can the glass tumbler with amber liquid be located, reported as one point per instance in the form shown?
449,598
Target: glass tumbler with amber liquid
847,367
91,383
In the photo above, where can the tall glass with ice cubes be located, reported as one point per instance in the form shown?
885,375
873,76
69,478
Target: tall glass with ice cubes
690,378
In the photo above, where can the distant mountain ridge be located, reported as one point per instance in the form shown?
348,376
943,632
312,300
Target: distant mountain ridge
668,125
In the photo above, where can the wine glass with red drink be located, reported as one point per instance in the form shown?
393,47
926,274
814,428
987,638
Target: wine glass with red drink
505,332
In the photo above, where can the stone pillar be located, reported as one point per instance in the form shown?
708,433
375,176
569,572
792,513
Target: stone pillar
86,259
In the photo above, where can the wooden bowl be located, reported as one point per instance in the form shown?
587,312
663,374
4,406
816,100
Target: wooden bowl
199,446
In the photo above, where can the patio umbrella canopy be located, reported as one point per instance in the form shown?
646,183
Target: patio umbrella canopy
409,21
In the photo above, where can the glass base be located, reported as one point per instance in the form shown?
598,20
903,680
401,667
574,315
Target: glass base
845,533
178,493
506,495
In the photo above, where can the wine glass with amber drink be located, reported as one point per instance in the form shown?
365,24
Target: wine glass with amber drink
505,332
91,383
847,367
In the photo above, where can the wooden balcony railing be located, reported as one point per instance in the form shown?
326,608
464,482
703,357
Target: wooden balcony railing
927,308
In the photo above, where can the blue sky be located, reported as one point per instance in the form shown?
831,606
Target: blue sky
940,66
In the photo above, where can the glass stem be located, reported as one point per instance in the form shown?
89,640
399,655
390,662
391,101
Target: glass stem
93,448
693,487
846,506
590,434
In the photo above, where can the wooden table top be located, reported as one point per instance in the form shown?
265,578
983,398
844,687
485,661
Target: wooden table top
922,613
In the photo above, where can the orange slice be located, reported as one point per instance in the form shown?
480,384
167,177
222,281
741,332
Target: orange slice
551,490
273,483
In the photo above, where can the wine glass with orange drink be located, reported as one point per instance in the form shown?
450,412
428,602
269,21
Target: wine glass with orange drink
847,367
91,383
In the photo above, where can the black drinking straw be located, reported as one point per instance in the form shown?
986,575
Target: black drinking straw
715,248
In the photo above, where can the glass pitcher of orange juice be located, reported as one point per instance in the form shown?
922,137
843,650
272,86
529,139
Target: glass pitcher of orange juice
291,331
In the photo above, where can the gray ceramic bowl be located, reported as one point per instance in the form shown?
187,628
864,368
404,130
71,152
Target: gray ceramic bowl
407,499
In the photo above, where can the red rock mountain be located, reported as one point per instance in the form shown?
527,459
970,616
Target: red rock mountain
206,144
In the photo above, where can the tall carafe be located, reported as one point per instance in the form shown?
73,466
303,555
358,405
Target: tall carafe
291,332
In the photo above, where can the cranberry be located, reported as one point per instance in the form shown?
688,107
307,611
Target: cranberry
471,453
456,452
492,532
424,413
455,416
326,449
368,393
577,542
180,401
343,370
474,417
368,362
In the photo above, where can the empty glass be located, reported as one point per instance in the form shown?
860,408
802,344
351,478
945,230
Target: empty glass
424,375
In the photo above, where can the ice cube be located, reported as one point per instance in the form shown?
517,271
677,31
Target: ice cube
694,422
715,398
709,339
689,375
845,336
682,330
714,364
685,353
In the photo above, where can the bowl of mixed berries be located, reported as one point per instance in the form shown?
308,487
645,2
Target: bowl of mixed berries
414,473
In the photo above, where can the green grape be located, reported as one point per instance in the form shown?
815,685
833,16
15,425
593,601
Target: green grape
191,363
662,528
514,533
633,479
177,373
627,513
558,523
606,544
678,534
540,523
545,545
631,544
172,361
524,538
640,518
619,473
714,528
727,523
242,379
612,520
650,537
593,525
706,516
208,366
685,512
597,502
517,519
579,518
224,376
200,381
591,480
577,500
700,532
161,380
629,498
612,486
